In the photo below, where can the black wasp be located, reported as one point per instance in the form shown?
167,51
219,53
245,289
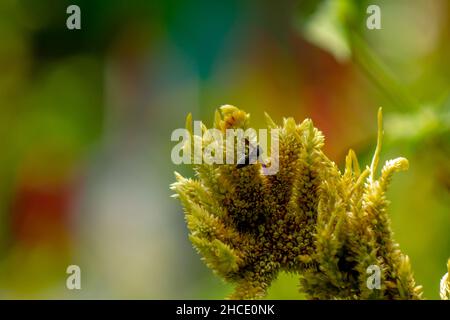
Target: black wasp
253,153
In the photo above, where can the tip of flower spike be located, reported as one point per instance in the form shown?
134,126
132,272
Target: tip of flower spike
398,164
306,124
444,291
311,137
402,163
174,186
270,123
178,176
218,256
233,118
228,108
189,122
351,163
289,125
376,156
217,119
392,166
356,167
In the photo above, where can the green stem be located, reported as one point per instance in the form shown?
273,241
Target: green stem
364,56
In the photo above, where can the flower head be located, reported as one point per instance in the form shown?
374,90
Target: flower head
309,218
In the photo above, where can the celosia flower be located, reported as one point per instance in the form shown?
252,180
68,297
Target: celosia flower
309,218
445,284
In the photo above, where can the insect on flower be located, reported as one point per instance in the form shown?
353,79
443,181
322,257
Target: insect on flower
252,155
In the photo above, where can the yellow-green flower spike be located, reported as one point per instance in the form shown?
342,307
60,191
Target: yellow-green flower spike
311,219
445,284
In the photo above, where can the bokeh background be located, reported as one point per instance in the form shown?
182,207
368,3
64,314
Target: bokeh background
86,117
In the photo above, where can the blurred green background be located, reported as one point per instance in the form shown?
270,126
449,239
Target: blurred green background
86,117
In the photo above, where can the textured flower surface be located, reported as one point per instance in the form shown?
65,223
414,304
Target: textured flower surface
445,284
309,218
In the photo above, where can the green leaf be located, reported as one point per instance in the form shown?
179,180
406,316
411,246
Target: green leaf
326,28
